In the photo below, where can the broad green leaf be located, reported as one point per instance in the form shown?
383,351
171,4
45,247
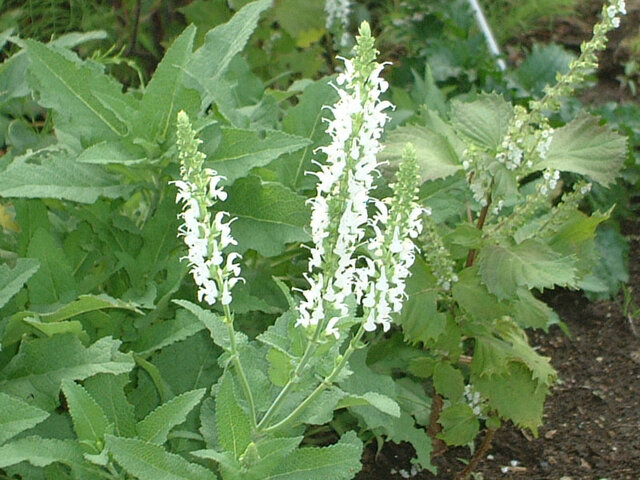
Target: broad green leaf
39,367
475,299
155,427
405,430
305,120
148,461
531,264
108,391
88,303
269,215
459,424
89,421
53,282
340,461
448,381
88,100
62,178
279,367
241,150
17,416
542,65
103,153
56,328
301,20
272,452
217,328
234,427
515,395
484,121
529,312
437,158
165,94
40,452
12,279
209,62
584,146
166,332
376,400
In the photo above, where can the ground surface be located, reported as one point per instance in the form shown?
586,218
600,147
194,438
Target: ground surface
592,417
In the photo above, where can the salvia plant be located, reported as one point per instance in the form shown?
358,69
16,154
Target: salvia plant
203,279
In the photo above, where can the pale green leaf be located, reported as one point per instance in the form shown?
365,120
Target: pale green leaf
475,299
103,153
340,461
83,97
166,332
448,381
39,367
301,19
148,461
269,215
377,400
484,121
241,150
279,367
584,146
459,424
108,391
217,328
62,178
12,279
40,452
89,421
85,304
17,416
57,328
234,427
529,312
531,264
436,156
155,427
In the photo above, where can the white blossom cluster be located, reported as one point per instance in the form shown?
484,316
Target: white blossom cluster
549,182
339,216
205,235
617,7
474,400
337,13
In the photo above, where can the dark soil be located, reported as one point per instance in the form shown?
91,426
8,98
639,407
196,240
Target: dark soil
592,417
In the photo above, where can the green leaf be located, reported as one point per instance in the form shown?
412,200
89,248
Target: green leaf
515,395
165,94
108,391
405,430
340,461
155,427
210,61
531,264
88,101
217,328
530,312
234,427
436,156
279,367
584,146
448,381
53,282
241,150
542,65
40,452
148,461
459,424
89,421
475,299
305,120
269,215
104,153
301,19
167,331
85,304
17,416
62,178
39,367
484,121
377,400
12,279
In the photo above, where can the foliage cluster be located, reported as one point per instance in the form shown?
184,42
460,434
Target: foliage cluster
109,366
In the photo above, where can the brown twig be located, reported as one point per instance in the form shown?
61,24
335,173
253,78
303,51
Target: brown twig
479,455
439,447
471,257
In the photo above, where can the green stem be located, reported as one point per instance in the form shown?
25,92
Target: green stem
326,383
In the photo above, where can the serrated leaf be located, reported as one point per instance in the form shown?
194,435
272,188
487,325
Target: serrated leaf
484,121
269,215
448,381
89,421
531,264
40,452
17,416
405,430
340,461
459,424
305,120
542,65
39,367
155,427
88,99
148,461
529,312
241,150
584,146
108,391
475,299
62,178
234,427
436,156
218,330
165,94
12,279
167,331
